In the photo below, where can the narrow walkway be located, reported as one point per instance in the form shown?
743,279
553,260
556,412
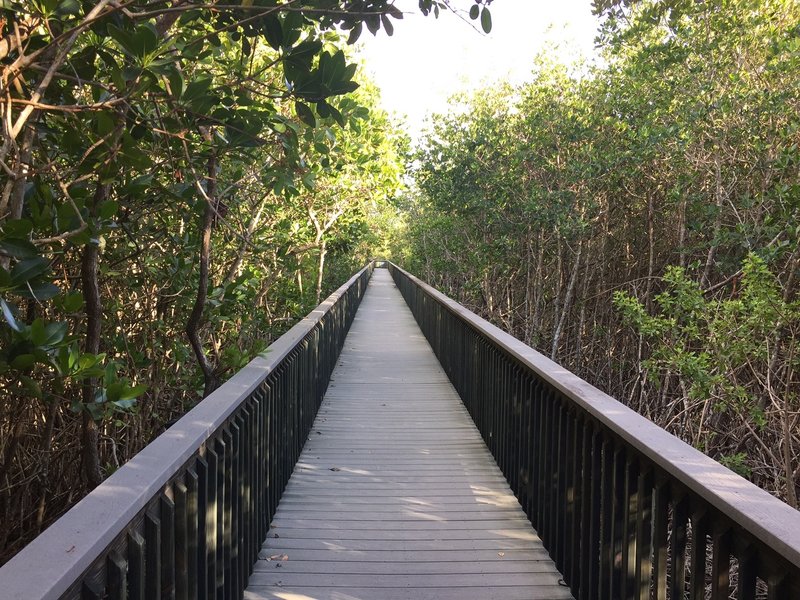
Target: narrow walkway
396,496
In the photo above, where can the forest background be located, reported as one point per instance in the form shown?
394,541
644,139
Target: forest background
180,184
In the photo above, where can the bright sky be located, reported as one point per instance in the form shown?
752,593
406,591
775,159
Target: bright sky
428,59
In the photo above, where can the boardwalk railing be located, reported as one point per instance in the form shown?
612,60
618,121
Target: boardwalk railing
626,510
185,518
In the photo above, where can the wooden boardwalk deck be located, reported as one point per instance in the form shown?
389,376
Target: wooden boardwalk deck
395,496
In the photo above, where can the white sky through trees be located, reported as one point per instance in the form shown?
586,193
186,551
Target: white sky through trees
427,59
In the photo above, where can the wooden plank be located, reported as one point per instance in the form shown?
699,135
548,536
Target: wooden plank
328,492
465,489
531,563
360,547
395,494
379,512
411,524
439,593
404,560
325,580
403,534
406,500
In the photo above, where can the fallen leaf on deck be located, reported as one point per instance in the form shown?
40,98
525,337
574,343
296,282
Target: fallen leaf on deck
279,557
501,554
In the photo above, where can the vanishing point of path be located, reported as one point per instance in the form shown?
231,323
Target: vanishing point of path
395,496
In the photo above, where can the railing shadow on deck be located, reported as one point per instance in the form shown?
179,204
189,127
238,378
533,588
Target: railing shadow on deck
185,518
626,510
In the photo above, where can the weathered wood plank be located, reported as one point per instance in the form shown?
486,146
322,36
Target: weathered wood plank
433,534
403,561
370,547
327,580
530,563
439,593
343,512
395,495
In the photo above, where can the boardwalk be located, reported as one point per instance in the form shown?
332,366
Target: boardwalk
395,495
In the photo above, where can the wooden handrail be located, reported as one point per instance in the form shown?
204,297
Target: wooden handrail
595,430
68,559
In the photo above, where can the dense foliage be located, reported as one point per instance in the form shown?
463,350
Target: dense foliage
638,221
179,183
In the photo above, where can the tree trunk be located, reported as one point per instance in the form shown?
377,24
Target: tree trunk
719,195
210,380
14,195
90,286
90,454
567,299
233,270
323,250
538,286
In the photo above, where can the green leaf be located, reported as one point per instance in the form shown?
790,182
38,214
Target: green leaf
89,365
9,316
304,52
18,248
38,290
54,333
18,228
68,7
37,332
48,6
113,391
27,269
176,83
373,23
486,20
387,25
138,43
72,302
124,404
395,12
272,31
32,387
305,114
95,410
108,209
293,27
123,37
104,123
355,33
324,109
344,87
337,116
197,88
23,361
130,393
474,12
